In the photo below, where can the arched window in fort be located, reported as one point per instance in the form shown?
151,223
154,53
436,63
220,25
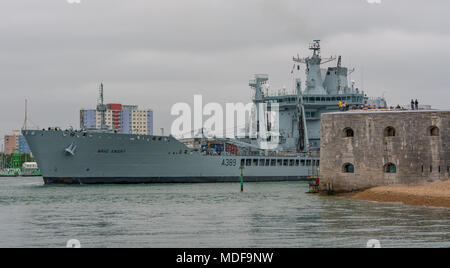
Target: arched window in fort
390,168
348,132
348,168
389,132
433,131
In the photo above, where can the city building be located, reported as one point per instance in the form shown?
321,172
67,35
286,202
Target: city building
126,119
10,144
364,149
16,141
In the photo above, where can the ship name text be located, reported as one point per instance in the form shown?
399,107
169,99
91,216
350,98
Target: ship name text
112,151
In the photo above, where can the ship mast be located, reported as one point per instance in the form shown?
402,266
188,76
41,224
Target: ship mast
339,64
314,83
26,115
101,108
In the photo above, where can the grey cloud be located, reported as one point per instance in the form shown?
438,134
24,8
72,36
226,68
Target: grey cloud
157,53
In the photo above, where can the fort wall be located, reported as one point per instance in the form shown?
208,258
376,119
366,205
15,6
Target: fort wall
364,149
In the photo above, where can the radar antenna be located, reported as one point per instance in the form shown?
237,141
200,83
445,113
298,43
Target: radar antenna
315,47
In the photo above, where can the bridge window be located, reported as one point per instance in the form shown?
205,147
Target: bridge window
267,162
433,131
390,168
262,162
285,162
255,162
248,162
348,168
348,132
291,162
389,132
273,162
279,162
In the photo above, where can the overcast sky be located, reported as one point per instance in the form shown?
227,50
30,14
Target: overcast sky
156,53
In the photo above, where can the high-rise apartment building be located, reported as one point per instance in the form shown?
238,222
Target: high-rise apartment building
127,119
16,141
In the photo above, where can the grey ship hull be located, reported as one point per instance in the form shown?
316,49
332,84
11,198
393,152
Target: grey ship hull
66,157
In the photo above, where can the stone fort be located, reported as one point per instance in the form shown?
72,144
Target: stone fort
363,149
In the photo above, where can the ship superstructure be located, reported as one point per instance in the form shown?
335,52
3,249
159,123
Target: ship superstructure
302,107
104,156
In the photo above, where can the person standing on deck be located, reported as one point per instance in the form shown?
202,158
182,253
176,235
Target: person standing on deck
417,104
412,104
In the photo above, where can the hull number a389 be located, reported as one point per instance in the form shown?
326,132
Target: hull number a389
229,162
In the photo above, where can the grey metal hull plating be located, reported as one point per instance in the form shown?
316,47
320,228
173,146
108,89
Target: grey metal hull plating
107,158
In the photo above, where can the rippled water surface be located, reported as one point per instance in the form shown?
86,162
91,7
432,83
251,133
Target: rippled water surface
207,215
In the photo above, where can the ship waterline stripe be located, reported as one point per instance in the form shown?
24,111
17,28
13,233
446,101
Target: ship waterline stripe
148,180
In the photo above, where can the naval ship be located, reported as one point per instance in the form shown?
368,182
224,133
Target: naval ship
102,156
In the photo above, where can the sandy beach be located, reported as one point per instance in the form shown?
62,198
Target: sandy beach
432,195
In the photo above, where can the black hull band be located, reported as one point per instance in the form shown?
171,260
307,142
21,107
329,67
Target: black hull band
105,180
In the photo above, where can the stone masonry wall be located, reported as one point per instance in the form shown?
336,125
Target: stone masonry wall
418,156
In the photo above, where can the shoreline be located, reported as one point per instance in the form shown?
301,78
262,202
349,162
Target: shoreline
430,195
